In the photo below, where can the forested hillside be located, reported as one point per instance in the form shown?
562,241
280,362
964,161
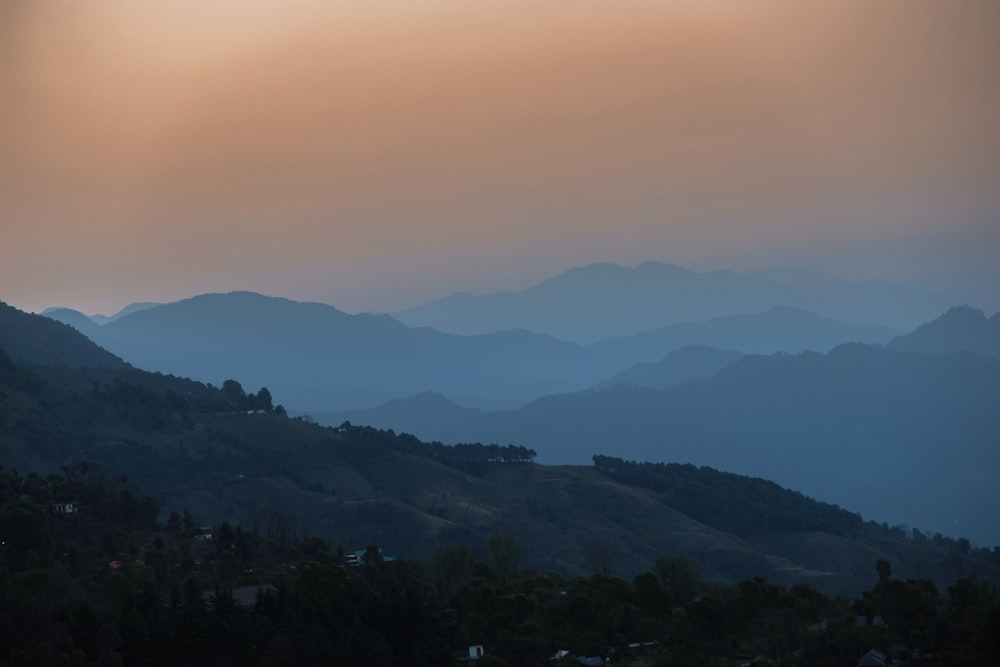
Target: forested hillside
225,454
99,581
865,427
271,540
34,339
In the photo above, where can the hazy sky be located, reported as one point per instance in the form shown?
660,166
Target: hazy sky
380,153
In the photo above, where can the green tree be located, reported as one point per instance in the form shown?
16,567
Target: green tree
23,530
884,569
679,577
452,567
652,599
234,394
505,552
602,555
261,400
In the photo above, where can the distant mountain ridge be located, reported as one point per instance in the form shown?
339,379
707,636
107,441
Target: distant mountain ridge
590,303
961,329
779,329
127,310
695,362
59,312
321,358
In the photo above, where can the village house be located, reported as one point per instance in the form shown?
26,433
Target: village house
65,508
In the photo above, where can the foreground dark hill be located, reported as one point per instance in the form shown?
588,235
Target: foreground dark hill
590,303
109,584
34,339
359,486
911,438
196,448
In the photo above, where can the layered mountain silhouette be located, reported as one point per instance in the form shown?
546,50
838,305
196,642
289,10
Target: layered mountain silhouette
191,446
81,321
909,437
779,329
131,308
317,356
961,329
688,363
320,358
590,303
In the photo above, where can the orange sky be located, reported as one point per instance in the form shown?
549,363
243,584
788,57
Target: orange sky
376,154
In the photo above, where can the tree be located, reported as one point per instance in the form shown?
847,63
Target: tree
372,555
261,400
679,577
884,569
505,551
235,396
23,529
602,555
651,598
453,567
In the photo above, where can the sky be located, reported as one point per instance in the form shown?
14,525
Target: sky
375,155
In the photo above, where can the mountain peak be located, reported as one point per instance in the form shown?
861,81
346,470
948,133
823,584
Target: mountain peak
960,329
963,314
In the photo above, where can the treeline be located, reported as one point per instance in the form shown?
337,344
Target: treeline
150,401
738,504
136,592
147,402
465,456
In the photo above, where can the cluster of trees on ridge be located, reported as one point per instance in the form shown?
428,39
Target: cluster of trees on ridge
465,456
109,585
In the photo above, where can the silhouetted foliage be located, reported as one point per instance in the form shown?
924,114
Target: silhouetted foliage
103,586
470,457
738,504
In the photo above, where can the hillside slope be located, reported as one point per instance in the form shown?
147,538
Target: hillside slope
961,329
195,447
911,438
695,362
34,339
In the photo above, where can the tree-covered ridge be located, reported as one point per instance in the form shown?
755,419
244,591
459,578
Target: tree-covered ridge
35,339
739,504
465,456
106,584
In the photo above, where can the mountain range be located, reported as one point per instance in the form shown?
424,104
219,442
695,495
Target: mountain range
317,356
860,425
590,303
320,358
910,436
195,449
688,363
963,329
778,329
